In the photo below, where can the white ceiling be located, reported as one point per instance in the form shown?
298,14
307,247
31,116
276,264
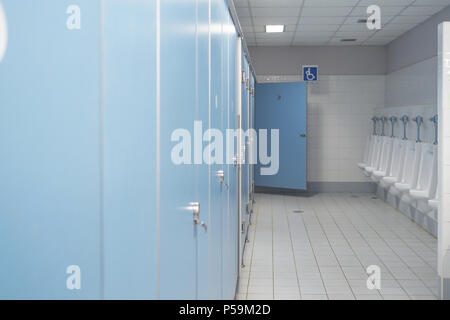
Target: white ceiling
326,22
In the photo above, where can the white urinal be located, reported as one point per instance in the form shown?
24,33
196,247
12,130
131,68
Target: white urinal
367,152
409,173
375,159
397,162
425,188
385,160
434,203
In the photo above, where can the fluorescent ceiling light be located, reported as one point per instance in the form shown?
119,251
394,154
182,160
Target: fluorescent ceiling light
273,28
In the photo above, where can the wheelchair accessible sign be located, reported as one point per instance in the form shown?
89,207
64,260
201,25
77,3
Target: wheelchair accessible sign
310,73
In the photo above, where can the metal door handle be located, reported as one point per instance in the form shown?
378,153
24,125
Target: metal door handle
195,206
302,135
221,175
235,161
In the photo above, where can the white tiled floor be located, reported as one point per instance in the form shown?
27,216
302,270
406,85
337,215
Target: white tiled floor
323,252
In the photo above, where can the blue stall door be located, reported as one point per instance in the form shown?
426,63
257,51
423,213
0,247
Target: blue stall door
130,224
283,106
50,208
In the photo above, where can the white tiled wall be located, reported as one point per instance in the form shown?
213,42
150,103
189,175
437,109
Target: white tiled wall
412,91
415,85
339,113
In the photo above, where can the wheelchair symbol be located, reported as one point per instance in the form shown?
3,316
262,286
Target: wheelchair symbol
310,74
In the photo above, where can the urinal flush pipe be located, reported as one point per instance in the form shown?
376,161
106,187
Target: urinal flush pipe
383,124
435,121
393,120
375,120
418,120
405,120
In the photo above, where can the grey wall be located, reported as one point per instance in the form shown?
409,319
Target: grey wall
416,45
332,60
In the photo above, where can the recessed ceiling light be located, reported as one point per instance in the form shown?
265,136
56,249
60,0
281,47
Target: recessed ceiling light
274,28
348,40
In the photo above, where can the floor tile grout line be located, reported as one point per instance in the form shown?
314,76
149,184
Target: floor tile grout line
408,266
273,262
368,242
321,225
255,222
411,248
314,254
407,229
326,223
350,246
292,247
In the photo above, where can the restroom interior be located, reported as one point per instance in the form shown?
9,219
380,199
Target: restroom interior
89,181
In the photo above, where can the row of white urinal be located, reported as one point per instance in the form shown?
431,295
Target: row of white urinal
406,168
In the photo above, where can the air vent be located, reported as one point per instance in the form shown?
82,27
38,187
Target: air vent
362,21
348,40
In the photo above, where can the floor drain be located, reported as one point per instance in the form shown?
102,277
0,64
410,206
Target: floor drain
298,211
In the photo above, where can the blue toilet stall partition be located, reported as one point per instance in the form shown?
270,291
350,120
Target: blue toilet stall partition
230,222
202,107
92,204
50,162
282,106
129,143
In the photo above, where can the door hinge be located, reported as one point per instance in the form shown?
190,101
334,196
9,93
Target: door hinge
243,226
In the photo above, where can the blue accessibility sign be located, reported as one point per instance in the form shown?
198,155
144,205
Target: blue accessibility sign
310,73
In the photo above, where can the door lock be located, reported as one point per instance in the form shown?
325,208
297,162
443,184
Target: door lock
196,212
221,175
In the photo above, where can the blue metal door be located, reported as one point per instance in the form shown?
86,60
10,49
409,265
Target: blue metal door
177,183
244,160
130,224
49,144
202,170
216,122
230,214
283,106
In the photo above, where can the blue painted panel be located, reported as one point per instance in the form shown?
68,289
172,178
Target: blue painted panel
283,106
202,171
216,122
178,96
50,160
231,218
244,167
130,146
252,125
